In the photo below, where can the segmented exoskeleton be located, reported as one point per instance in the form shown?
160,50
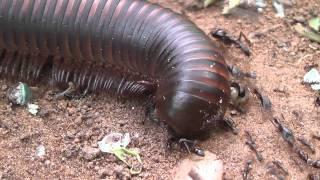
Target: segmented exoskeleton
118,45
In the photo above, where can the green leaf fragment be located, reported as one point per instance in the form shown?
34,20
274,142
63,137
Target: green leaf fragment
207,3
123,154
307,32
314,23
24,94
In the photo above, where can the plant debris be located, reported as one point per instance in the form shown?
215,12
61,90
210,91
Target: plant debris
116,143
33,108
313,78
314,24
125,154
20,95
279,7
230,5
207,3
304,31
112,141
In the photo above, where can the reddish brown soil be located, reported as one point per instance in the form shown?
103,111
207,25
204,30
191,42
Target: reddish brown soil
67,127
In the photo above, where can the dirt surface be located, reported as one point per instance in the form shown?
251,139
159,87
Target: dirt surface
69,129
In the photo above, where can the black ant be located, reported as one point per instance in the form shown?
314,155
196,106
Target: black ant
228,39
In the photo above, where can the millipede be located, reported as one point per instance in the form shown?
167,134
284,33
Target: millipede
130,47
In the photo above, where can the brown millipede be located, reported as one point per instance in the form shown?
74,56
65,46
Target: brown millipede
115,45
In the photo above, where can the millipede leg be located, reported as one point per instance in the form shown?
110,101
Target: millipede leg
230,123
151,112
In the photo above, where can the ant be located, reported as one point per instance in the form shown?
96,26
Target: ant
228,39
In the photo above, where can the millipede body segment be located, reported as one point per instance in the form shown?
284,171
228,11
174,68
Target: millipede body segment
116,45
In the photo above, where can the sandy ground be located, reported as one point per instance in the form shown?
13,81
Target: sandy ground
69,129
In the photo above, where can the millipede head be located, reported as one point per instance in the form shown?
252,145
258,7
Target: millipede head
189,116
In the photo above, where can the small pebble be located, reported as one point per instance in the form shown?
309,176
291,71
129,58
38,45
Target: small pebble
234,113
292,53
40,151
104,173
205,168
78,120
90,153
77,140
90,165
300,19
121,172
70,152
47,162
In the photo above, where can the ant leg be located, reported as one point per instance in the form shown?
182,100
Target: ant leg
190,146
242,46
245,38
286,133
230,123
